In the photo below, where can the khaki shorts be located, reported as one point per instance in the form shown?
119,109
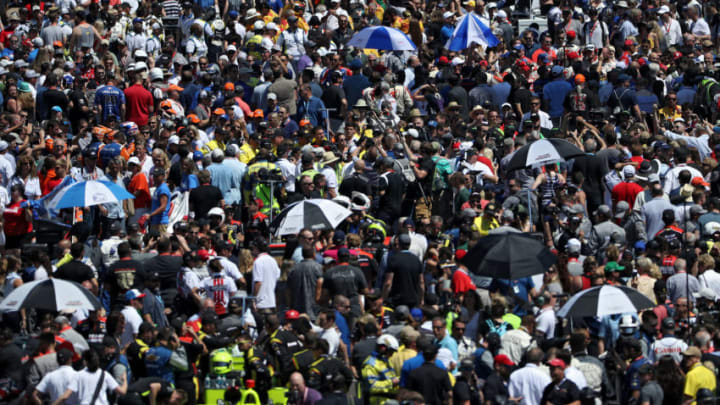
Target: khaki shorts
161,229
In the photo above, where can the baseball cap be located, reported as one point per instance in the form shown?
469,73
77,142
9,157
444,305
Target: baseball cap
613,266
504,360
158,171
629,171
556,362
134,161
133,294
291,314
699,181
573,245
692,351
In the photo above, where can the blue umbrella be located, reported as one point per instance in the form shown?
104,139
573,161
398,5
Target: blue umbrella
88,193
471,30
384,38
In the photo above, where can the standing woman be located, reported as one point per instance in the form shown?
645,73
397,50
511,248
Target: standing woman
26,175
18,219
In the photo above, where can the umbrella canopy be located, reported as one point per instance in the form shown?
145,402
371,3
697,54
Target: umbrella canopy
508,256
52,294
605,300
384,38
314,214
471,30
542,152
88,193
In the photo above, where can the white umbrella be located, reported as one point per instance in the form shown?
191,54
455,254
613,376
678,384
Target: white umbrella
314,214
52,294
605,300
88,193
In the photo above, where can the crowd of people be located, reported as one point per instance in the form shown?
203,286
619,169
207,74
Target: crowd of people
216,115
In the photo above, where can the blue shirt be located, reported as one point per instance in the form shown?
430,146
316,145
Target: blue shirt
313,110
164,217
686,94
604,92
646,100
520,289
110,98
342,325
353,86
224,179
188,97
413,363
555,93
500,92
189,182
449,343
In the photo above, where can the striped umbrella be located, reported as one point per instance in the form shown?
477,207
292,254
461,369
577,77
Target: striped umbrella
384,38
314,214
605,300
470,30
88,193
52,295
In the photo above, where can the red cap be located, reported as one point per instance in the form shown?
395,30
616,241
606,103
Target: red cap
291,314
203,254
579,78
229,86
642,61
556,362
571,34
504,360
483,63
699,181
443,60
629,42
573,55
460,253
249,384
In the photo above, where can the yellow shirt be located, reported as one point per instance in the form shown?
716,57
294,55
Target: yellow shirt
698,377
246,153
484,225
668,114
212,145
397,359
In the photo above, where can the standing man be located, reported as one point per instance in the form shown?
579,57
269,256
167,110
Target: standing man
404,282
265,274
140,102
561,390
160,206
697,375
305,283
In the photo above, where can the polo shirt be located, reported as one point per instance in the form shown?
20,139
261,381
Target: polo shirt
698,377
626,191
413,363
139,99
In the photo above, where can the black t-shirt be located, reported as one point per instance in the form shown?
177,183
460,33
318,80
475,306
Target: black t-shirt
394,186
464,391
345,280
559,394
79,101
521,96
406,269
357,182
143,386
203,198
495,390
167,266
76,271
125,274
332,98
54,97
431,381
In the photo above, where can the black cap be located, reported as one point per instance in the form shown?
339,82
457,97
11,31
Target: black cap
344,252
208,316
668,323
63,355
158,171
153,276
404,239
668,215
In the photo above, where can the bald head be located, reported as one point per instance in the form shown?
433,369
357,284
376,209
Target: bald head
297,382
360,165
590,146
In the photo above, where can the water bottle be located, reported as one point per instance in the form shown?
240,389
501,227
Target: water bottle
222,383
208,382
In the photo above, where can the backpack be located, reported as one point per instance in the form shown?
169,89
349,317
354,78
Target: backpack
28,274
500,330
443,169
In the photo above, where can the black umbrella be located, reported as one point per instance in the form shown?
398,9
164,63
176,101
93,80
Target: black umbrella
543,152
509,256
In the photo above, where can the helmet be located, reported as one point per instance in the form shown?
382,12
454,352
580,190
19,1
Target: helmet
628,325
221,362
360,202
377,229
389,341
342,200
156,74
129,128
218,25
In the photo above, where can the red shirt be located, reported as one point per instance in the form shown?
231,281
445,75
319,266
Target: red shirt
626,191
15,222
139,101
461,282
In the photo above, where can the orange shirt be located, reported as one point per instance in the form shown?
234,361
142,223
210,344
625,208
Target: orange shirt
139,183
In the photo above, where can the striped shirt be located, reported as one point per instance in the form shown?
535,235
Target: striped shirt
172,8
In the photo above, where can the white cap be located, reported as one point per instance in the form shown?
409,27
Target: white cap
141,54
491,5
141,66
258,25
272,96
663,10
134,160
573,246
271,26
31,74
389,341
156,74
458,60
231,48
3,145
217,153
174,140
38,42
448,14
501,14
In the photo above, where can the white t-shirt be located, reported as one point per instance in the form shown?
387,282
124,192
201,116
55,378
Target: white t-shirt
56,382
332,336
132,325
220,289
545,323
85,383
266,271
